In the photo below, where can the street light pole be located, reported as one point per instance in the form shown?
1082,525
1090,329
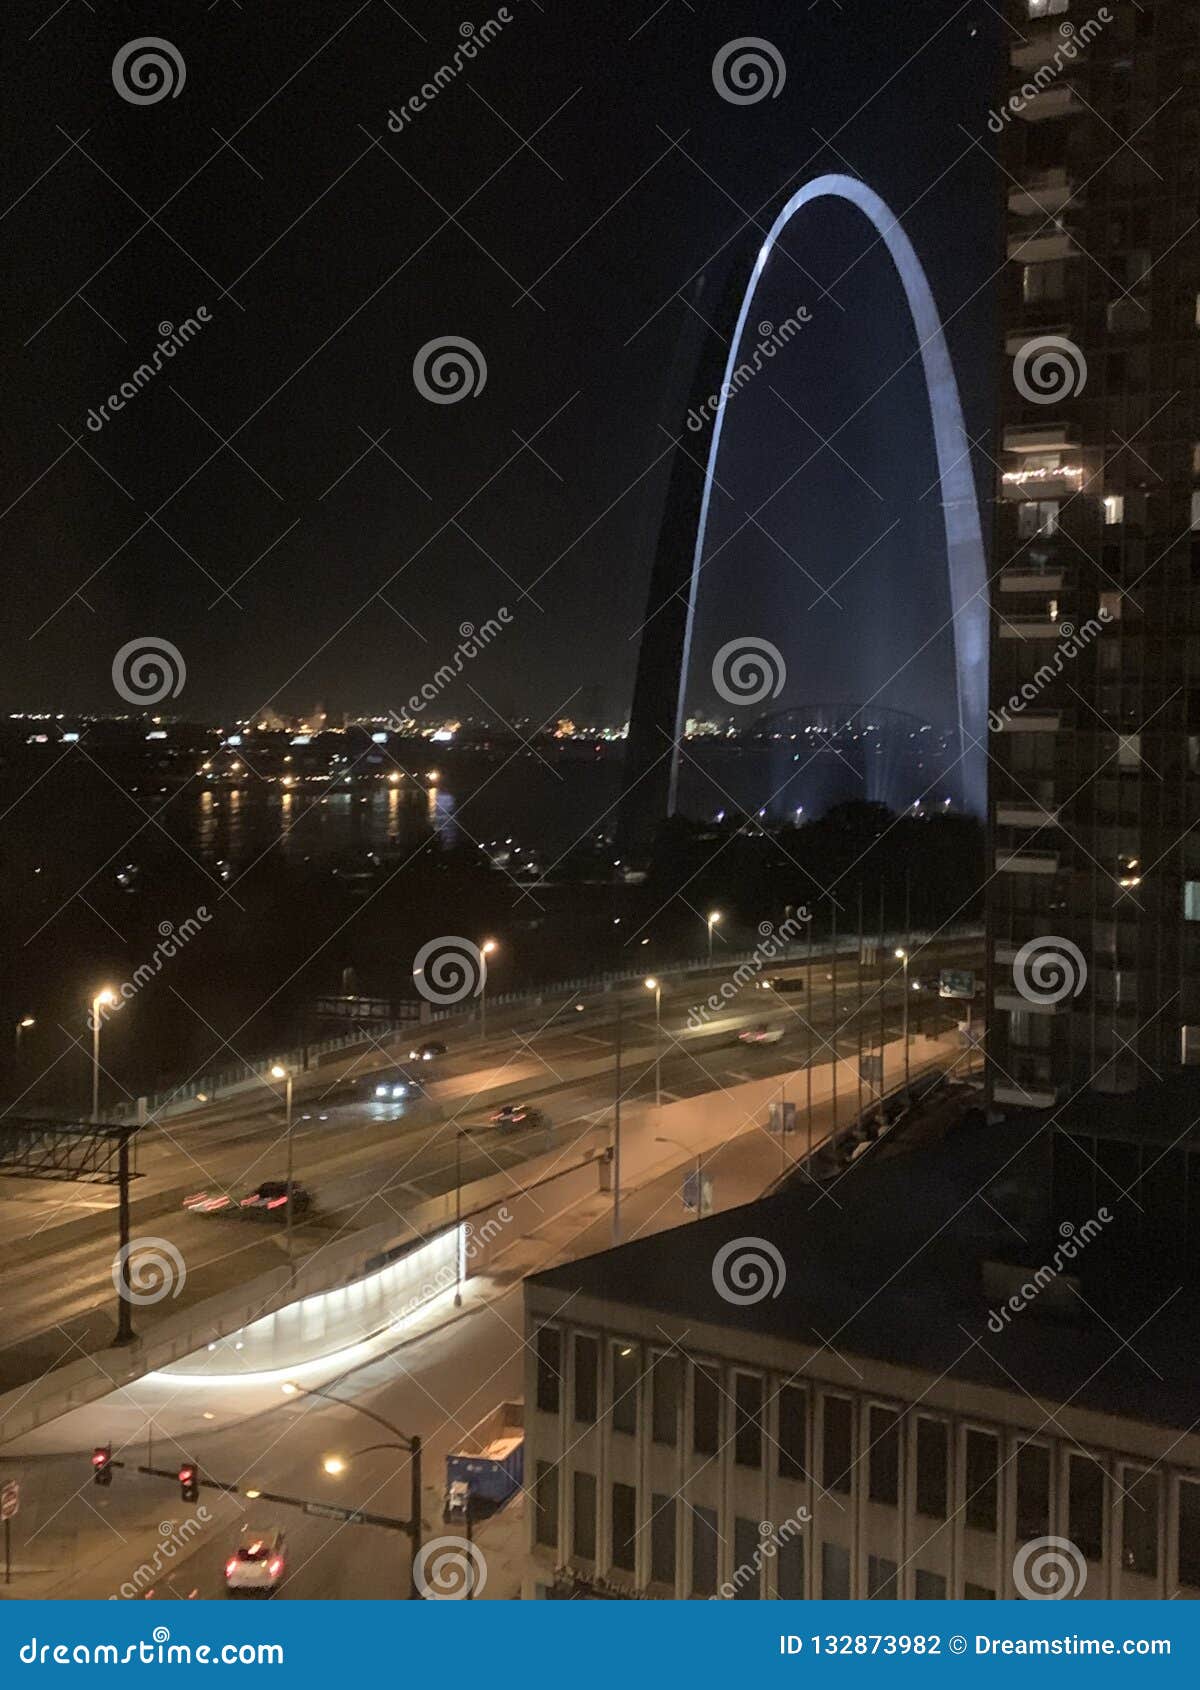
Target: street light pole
410,1445
102,1000
25,1022
655,986
485,951
714,917
903,956
458,1138
279,1072
616,1166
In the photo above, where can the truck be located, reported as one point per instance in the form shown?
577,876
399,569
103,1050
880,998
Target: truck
486,1467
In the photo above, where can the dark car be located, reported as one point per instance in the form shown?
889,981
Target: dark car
513,1115
427,1052
271,1197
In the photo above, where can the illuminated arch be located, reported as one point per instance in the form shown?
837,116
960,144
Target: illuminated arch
964,536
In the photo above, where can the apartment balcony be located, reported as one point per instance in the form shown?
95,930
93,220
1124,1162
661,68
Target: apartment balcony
1036,49
1014,1002
1041,437
1031,580
1027,1097
1041,246
1025,815
1044,195
1015,339
1027,862
1029,721
1031,628
1059,100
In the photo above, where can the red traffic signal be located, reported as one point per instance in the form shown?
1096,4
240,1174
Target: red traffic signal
102,1464
189,1482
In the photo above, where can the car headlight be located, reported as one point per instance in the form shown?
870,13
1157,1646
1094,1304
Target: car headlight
381,1091
397,1091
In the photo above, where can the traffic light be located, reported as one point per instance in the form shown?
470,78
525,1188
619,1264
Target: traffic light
189,1482
102,1464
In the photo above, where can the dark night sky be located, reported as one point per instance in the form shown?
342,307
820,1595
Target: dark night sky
341,260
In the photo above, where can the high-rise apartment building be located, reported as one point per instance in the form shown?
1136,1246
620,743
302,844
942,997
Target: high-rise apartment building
1095,722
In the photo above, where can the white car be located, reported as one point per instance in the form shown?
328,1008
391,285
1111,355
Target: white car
257,1565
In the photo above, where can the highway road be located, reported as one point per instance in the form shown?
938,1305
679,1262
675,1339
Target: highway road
369,1162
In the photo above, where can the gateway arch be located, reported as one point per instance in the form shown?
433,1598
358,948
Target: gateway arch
658,717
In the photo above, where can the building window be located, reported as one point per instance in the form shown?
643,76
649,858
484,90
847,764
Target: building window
835,1572
931,1587
1033,1492
624,1527
881,1578
790,1570
1085,1506
1196,508
982,1481
587,1370
662,1540
706,1412
837,1444
545,1499
704,1552
978,1593
1189,1533
1114,509
1046,8
747,1436
1043,283
1139,1522
933,1451
1129,751
747,1572
625,1387
584,1508
664,1394
793,1421
1191,900
1110,606
1189,1045
883,1461
1037,517
549,1367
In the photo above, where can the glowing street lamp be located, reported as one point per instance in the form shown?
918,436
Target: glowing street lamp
22,1026
279,1072
902,956
714,918
655,986
488,948
104,999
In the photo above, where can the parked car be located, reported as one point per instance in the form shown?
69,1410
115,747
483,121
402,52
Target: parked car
257,1565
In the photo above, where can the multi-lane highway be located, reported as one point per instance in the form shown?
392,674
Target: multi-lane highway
367,1162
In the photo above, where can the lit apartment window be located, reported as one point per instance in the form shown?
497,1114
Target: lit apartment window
1191,900
1189,1533
1042,282
1037,517
1046,8
1114,509
1196,458
1110,606
626,1373
1195,508
1139,1522
1129,751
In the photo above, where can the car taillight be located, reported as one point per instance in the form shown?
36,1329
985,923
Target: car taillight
231,1566
275,1202
275,1566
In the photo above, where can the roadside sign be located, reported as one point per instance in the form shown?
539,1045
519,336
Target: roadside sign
10,1499
956,983
347,1516
783,1117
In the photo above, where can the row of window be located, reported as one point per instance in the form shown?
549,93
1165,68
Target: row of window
844,1455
